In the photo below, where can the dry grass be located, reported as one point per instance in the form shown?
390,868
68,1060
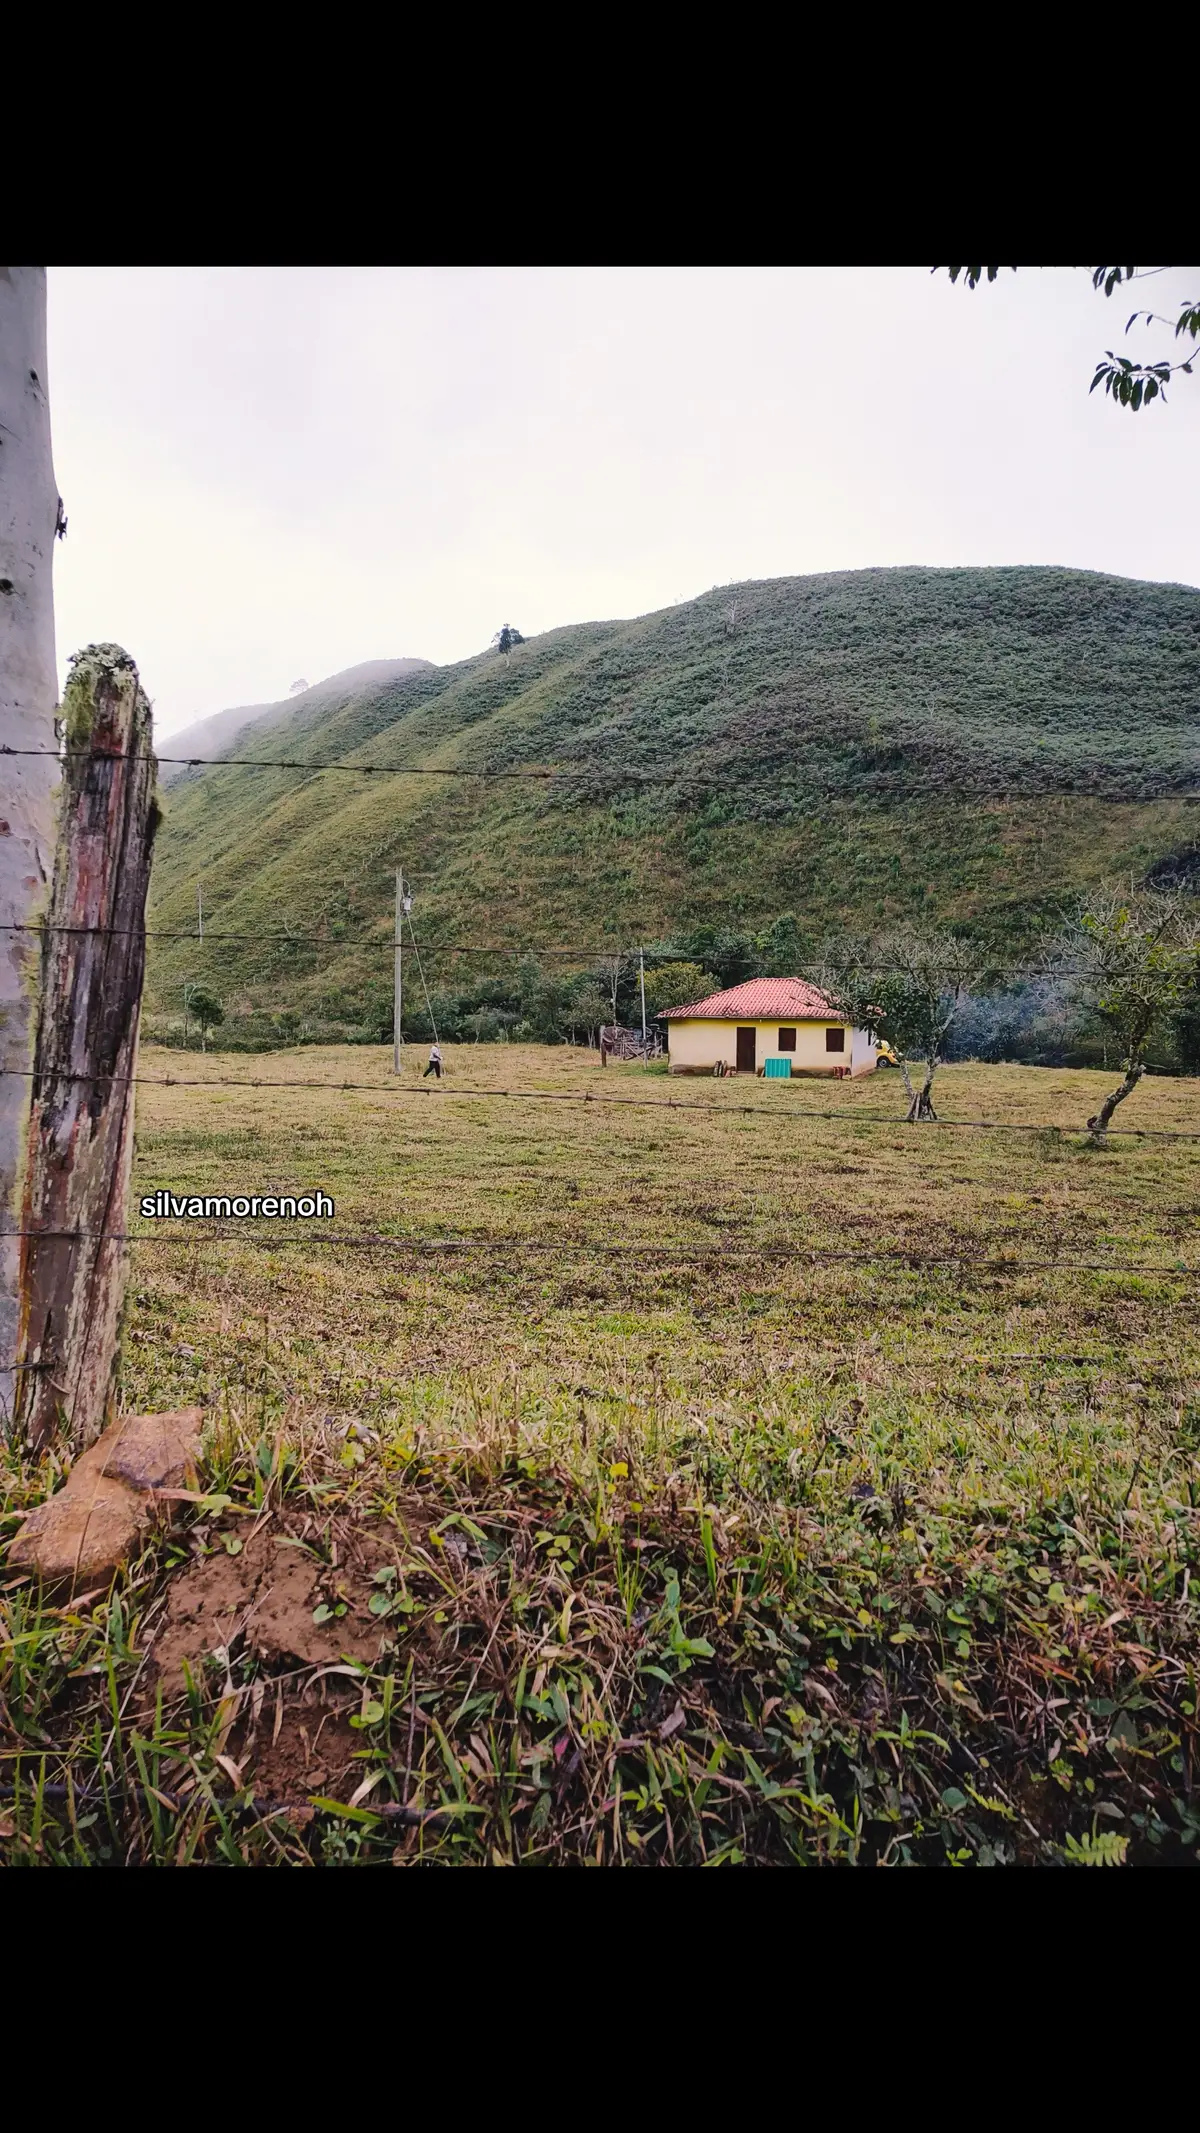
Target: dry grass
705,1553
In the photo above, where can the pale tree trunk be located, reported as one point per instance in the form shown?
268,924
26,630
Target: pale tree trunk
28,696
921,1106
920,1101
81,1134
1098,1126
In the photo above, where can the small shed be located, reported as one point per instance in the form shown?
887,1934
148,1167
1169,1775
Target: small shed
769,1026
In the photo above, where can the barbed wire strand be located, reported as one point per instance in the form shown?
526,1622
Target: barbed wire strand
626,774
637,1103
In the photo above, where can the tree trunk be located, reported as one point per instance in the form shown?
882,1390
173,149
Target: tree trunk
921,1106
81,1129
1098,1125
28,697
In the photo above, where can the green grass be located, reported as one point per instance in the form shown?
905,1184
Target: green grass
866,746
654,1544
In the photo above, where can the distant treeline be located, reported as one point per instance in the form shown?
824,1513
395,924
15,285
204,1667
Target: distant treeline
1040,1021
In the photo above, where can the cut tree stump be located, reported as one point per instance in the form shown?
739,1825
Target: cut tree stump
114,1493
81,1125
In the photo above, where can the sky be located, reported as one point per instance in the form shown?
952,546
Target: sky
271,474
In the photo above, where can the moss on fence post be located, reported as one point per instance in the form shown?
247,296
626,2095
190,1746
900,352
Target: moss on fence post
81,1127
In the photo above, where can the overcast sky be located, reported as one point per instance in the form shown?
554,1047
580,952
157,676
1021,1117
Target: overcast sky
273,473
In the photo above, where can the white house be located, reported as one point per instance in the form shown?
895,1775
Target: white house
771,1026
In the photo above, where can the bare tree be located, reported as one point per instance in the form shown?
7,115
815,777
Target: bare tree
610,970
30,517
1132,957
906,988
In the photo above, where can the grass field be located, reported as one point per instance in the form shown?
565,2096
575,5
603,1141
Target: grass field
730,1472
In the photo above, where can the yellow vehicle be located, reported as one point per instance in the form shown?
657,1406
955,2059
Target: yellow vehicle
885,1056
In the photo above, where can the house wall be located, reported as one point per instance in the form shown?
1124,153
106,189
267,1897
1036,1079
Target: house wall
864,1056
695,1047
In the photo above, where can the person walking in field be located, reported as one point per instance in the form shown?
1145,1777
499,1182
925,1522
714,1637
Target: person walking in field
435,1062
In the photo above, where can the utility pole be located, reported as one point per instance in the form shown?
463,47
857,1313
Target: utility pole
199,911
403,907
642,983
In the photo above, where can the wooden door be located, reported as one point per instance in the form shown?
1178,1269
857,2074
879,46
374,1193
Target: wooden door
745,1051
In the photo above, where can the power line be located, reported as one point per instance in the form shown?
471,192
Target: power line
360,770
816,1254
582,953
638,1103
625,773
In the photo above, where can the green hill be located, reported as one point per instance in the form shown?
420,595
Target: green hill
220,734
856,747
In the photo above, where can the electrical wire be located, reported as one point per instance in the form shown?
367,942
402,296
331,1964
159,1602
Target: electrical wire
625,774
582,953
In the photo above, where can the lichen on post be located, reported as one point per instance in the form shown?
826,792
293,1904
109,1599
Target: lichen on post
81,1124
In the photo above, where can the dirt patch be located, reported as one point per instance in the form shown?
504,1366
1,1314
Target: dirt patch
264,1599
288,1727
298,1740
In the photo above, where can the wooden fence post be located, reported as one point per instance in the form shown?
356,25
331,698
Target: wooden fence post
81,1125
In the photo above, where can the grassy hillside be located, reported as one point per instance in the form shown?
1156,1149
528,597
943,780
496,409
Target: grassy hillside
220,734
851,748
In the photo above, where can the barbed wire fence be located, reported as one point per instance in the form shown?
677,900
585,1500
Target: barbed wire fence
967,1263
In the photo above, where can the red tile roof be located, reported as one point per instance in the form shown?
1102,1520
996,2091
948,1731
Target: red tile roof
759,1000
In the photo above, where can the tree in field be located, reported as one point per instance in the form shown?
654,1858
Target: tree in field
1132,385
585,1010
1133,960
677,985
206,1008
905,987
30,517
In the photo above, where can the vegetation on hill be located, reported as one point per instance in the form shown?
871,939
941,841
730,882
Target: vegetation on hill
861,749
220,734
